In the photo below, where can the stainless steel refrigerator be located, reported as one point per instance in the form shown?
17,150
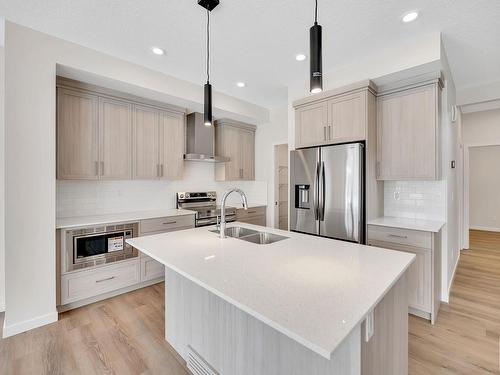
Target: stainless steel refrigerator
327,191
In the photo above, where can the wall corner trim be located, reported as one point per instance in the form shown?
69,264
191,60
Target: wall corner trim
446,298
29,324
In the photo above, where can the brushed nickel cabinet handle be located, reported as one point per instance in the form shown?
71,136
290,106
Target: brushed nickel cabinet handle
169,222
251,212
157,170
324,133
330,132
106,279
102,167
96,164
397,236
161,170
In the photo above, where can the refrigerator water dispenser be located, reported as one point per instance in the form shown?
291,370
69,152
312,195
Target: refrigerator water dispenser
302,196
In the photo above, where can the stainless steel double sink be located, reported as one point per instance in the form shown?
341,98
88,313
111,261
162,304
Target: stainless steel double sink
250,235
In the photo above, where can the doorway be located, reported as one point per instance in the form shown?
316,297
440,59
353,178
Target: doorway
281,186
481,202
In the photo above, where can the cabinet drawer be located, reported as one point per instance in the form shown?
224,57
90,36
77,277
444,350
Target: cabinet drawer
165,224
400,236
151,269
85,284
242,214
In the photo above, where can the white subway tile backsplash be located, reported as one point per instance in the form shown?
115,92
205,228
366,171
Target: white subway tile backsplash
415,199
80,198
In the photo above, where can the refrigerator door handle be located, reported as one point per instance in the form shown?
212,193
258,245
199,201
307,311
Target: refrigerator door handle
322,192
316,192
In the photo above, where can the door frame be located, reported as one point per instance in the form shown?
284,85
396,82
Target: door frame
275,214
466,185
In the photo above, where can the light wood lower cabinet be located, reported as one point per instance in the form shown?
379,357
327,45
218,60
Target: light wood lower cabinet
254,215
80,285
86,286
424,275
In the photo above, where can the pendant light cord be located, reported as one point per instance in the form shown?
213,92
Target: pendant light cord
208,46
316,12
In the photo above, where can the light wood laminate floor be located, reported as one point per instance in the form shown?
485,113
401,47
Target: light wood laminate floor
465,338
125,334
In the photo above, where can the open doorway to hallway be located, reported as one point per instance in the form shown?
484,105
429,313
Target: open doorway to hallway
484,200
281,186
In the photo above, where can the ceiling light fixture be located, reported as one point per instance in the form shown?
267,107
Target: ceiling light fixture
300,57
410,16
157,51
209,5
316,64
241,84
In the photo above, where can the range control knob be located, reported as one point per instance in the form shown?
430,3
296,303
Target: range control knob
181,196
187,195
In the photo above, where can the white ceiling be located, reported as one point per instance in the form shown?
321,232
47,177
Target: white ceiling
255,41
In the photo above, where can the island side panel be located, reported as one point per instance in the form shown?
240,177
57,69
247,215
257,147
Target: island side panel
233,342
387,351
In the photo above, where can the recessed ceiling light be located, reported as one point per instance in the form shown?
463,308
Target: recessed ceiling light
300,57
157,51
410,16
241,84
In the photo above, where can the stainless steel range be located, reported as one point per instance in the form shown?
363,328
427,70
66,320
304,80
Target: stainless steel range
205,205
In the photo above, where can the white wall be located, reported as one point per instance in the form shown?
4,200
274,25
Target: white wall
481,127
81,198
268,135
449,152
2,168
30,184
484,185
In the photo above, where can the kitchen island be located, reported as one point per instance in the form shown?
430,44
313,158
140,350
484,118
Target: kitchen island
302,305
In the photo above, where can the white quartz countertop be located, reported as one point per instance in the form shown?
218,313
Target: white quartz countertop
405,223
313,290
82,221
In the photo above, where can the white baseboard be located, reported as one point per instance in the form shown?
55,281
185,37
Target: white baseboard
26,325
487,229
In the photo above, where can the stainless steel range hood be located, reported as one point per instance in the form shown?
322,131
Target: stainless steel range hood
200,141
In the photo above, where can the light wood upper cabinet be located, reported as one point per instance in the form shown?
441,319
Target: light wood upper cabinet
146,143
311,124
100,136
347,117
408,134
115,125
235,140
77,135
172,135
332,117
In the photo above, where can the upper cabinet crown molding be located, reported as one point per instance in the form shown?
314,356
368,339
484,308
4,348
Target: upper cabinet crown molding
63,82
344,90
408,83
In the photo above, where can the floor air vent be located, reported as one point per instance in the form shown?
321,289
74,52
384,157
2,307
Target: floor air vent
197,365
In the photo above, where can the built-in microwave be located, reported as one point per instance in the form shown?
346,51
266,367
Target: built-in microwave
92,246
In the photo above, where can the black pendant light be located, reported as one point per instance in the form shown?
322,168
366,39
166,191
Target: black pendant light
316,63
209,5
